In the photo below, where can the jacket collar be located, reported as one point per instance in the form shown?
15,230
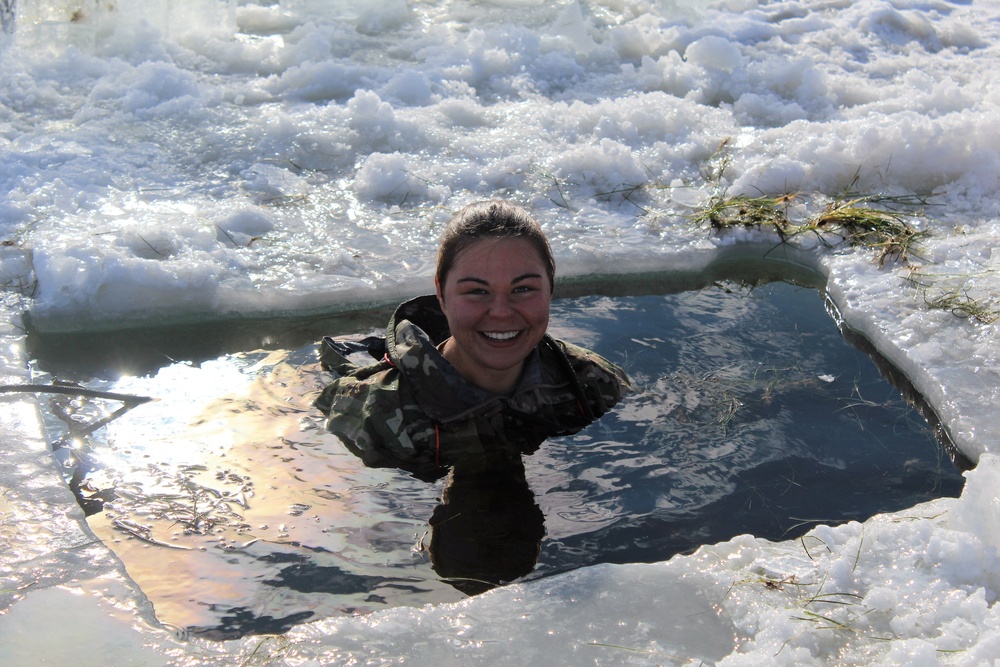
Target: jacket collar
415,330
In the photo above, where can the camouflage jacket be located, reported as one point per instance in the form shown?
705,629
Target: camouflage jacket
413,410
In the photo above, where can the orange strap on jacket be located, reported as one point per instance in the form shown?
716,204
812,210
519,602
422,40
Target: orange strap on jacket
437,445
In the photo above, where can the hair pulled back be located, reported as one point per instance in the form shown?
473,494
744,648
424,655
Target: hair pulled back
494,219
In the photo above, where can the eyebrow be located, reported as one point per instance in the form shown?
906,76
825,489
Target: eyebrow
523,277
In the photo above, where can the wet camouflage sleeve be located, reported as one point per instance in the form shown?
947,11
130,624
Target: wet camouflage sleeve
370,413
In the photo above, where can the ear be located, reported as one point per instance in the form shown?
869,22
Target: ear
438,289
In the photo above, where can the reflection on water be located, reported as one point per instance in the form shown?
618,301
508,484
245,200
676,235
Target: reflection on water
237,513
487,530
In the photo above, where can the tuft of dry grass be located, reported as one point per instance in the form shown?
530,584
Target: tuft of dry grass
872,221
951,294
867,221
960,304
724,212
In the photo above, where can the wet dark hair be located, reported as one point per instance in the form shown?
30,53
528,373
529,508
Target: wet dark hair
496,219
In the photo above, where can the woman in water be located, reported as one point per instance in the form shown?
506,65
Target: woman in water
469,376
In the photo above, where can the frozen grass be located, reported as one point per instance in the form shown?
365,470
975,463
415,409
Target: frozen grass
883,224
871,221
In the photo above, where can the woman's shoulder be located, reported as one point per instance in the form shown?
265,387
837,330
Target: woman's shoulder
587,363
601,382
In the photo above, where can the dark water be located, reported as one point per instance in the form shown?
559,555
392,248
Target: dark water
752,415
236,513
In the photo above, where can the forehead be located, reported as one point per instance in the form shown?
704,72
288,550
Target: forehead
517,255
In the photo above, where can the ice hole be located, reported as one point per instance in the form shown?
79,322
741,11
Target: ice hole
236,513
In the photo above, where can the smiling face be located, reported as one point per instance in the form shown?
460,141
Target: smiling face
496,297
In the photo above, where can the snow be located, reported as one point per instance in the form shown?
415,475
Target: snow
170,160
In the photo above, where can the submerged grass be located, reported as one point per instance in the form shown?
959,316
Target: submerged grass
177,500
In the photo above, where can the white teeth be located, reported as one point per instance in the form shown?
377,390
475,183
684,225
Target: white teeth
500,335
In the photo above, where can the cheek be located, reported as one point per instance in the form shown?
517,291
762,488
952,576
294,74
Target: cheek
459,314
541,311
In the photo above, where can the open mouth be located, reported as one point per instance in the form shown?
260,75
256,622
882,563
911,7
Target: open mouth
501,336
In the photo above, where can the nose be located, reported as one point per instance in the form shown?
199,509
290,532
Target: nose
500,306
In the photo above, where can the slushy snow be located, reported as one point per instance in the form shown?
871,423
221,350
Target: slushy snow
198,160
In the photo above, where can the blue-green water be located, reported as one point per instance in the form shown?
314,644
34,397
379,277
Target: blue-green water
236,513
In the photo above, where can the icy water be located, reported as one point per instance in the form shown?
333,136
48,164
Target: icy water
236,513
